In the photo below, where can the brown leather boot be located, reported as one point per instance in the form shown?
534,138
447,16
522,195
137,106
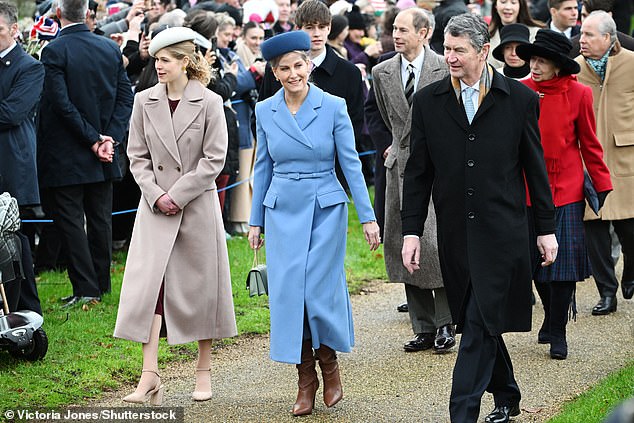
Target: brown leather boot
308,382
333,392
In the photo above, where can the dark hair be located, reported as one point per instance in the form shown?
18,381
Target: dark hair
247,26
592,5
312,12
388,19
9,12
555,3
203,23
523,17
74,10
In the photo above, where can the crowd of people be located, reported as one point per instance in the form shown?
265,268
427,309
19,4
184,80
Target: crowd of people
497,134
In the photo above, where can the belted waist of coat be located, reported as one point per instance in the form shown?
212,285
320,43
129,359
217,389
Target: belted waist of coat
301,175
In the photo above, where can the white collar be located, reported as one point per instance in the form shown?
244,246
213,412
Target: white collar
8,50
417,62
317,61
475,86
567,32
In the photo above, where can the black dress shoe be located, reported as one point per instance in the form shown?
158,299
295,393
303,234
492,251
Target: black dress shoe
402,308
501,414
606,305
421,342
543,337
627,287
445,339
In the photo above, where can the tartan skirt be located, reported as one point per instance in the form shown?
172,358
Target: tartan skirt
572,263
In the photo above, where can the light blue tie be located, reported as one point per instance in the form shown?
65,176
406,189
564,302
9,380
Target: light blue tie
468,104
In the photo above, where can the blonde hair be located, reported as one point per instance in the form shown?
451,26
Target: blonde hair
198,68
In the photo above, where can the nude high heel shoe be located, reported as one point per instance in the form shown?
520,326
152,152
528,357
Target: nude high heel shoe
154,395
201,395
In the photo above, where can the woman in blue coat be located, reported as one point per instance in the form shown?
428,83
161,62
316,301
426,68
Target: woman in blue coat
303,208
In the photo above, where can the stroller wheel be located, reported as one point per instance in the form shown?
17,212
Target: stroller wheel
34,351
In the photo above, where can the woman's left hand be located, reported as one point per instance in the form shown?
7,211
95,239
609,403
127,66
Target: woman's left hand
372,234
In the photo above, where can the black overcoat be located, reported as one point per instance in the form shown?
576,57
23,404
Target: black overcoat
21,79
86,93
476,173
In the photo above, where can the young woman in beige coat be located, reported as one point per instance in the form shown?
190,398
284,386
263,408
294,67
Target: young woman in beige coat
177,280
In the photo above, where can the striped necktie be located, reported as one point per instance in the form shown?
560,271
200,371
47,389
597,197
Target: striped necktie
409,86
468,103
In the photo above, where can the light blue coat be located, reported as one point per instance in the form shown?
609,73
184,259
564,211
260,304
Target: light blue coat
303,209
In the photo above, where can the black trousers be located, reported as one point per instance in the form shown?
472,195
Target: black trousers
483,364
599,246
90,249
556,298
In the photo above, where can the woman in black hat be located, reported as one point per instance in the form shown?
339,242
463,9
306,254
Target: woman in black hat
507,12
567,127
513,35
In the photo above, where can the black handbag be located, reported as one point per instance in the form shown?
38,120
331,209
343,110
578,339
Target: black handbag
257,281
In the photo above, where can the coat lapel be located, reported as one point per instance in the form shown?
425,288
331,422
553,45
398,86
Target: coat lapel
391,74
188,108
452,105
497,84
286,122
159,116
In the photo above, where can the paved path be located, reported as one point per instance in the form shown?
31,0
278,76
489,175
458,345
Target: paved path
384,384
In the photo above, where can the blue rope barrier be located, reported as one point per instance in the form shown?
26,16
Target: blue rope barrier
365,153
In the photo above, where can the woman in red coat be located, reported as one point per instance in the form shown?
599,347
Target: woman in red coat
567,128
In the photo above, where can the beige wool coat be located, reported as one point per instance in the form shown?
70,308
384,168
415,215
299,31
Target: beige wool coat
180,155
614,111
397,115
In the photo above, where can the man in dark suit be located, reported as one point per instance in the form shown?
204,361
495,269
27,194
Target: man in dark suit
563,17
84,113
474,142
589,6
331,73
21,79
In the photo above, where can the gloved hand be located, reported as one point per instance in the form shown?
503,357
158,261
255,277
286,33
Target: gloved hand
602,196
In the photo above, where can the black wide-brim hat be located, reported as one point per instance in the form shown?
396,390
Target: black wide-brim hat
553,46
513,33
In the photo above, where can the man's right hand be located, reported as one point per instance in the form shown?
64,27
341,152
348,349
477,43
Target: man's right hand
411,254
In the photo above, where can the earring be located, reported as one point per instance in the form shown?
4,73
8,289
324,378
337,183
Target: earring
184,70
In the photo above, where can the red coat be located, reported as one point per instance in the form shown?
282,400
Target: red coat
568,133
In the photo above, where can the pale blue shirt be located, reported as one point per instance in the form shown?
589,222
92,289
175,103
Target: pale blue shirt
474,97
417,63
317,61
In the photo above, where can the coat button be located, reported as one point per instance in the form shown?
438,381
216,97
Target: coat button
470,191
471,137
178,169
471,215
470,163
160,167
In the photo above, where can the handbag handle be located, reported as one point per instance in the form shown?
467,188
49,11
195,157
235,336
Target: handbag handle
255,257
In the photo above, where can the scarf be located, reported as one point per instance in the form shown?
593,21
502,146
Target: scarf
245,54
517,73
554,117
485,84
599,65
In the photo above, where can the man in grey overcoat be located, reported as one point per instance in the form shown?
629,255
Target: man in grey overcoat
395,80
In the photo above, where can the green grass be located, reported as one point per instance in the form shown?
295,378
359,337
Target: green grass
84,359
595,404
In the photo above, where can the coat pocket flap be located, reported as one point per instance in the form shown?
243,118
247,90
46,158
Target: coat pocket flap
269,200
390,160
331,198
624,139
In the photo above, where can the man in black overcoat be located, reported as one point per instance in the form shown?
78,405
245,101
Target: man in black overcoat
84,114
474,141
21,79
